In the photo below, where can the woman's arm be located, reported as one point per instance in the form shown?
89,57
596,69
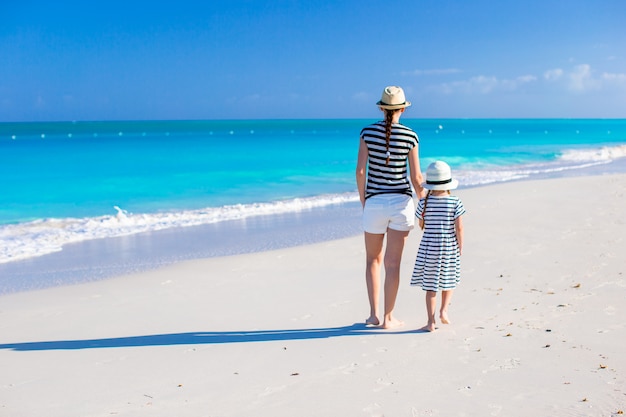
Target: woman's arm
416,172
458,227
361,170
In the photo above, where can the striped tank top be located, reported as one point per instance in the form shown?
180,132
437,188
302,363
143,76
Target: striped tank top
383,178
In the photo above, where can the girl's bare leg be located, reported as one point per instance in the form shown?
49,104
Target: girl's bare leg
393,257
431,306
446,296
374,258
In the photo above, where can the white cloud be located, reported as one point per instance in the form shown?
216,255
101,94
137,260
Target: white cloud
578,79
581,79
479,84
482,84
617,79
553,74
486,84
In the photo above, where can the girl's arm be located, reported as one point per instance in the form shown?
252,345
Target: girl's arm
361,169
458,227
420,212
416,172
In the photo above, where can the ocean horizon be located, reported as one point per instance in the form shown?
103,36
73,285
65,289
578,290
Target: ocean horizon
87,200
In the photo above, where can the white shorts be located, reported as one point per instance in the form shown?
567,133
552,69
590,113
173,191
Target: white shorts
388,211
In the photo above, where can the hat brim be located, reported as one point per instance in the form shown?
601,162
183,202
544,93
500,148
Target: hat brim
386,106
453,184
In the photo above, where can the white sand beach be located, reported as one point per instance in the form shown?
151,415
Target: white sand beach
538,326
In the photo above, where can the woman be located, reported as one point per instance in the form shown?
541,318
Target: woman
385,190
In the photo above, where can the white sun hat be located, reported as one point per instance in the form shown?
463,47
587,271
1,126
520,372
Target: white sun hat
439,177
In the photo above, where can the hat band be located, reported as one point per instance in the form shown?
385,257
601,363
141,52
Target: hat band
439,182
382,103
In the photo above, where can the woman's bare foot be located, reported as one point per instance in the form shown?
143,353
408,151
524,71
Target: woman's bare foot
430,327
392,323
372,321
444,317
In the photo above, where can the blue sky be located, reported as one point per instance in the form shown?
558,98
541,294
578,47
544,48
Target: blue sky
125,60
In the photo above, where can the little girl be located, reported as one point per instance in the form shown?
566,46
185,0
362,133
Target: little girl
438,262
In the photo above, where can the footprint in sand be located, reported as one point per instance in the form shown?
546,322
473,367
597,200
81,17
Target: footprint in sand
507,364
348,369
610,311
424,413
383,383
372,364
374,410
272,390
495,409
304,317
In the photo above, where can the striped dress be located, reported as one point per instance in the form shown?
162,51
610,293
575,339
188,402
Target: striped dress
438,261
385,178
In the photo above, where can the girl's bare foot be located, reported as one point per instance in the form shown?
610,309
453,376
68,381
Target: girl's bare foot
430,327
444,317
372,321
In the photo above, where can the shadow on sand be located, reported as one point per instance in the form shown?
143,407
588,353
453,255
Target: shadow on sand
205,338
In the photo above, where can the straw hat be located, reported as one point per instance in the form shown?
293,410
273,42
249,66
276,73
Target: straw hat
439,177
393,98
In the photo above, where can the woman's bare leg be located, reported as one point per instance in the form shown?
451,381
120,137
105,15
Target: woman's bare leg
393,257
373,260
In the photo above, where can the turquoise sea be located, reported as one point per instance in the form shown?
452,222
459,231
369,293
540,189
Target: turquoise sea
234,186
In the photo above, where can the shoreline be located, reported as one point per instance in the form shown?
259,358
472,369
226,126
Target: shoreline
104,258
99,259
279,333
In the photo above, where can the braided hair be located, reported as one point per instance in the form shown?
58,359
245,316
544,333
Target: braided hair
424,211
388,123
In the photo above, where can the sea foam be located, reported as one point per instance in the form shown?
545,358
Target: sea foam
569,160
41,237
605,153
